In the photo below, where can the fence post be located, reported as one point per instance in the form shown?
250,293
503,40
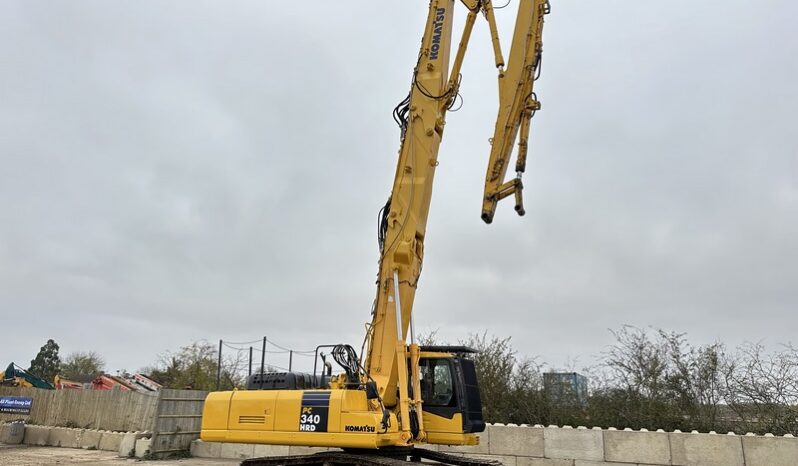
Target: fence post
250,362
262,361
156,424
219,367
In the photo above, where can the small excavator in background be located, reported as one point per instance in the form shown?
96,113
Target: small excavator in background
15,376
397,394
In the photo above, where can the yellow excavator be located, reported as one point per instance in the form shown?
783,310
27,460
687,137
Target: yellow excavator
397,394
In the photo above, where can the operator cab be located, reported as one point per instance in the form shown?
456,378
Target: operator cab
449,387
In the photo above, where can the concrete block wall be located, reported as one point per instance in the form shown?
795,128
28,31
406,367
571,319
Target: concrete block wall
125,443
566,446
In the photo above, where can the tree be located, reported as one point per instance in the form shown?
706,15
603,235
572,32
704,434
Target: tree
47,364
82,363
510,389
495,363
194,367
762,389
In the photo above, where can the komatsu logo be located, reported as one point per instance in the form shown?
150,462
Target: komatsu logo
437,29
360,429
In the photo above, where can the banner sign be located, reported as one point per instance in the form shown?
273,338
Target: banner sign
15,404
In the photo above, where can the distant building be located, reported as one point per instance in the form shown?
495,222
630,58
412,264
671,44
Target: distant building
565,387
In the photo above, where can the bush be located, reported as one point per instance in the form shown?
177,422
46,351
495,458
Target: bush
649,379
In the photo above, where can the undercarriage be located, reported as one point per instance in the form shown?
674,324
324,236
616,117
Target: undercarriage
386,457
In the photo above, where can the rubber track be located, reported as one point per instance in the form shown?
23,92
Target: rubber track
340,458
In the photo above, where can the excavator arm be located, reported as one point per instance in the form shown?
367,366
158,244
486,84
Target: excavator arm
517,105
16,376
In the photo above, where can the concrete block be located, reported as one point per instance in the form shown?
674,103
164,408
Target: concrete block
110,441
483,448
770,451
602,463
295,450
637,447
706,450
239,451
127,447
36,435
90,439
64,437
142,447
12,433
516,441
505,460
578,444
262,451
529,461
200,449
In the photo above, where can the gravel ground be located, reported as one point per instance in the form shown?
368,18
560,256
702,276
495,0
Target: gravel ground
14,455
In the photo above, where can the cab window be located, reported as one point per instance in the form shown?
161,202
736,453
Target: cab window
436,382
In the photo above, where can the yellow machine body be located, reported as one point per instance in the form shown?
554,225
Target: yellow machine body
276,417
336,417
342,418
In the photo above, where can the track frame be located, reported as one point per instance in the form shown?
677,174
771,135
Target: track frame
387,457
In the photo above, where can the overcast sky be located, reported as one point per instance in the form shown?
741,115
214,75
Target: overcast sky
173,171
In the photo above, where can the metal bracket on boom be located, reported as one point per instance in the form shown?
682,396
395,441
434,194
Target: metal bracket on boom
514,186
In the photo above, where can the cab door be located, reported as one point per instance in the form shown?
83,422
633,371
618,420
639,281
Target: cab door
451,401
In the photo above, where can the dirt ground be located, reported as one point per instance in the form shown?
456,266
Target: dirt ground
14,455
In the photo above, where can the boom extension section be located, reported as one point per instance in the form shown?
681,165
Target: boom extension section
517,105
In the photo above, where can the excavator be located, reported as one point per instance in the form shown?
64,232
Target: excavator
16,376
398,394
